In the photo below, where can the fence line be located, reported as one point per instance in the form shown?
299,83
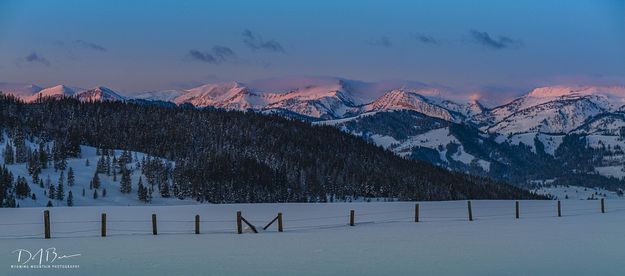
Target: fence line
196,225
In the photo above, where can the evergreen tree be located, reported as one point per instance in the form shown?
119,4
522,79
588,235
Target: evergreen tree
143,192
70,177
60,191
51,191
49,204
34,166
61,178
22,190
83,192
101,166
70,199
125,184
95,182
108,165
9,156
43,156
40,183
165,190
21,150
104,192
95,194
87,163
33,196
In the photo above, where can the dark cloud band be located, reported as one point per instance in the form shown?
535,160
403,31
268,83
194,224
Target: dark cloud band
256,42
495,43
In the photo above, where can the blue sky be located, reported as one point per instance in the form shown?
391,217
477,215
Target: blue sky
476,45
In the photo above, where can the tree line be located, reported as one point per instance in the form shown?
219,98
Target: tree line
224,157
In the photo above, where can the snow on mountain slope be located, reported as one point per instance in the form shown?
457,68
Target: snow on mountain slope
404,100
57,91
561,116
557,109
577,193
605,124
229,95
318,97
340,121
550,142
30,93
83,176
160,95
99,93
19,89
319,101
439,140
470,109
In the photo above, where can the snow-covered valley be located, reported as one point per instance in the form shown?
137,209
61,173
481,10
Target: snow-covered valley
384,240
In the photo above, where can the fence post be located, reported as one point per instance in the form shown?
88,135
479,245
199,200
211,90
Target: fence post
197,224
46,223
153,224
103,224
602,205
239,223
470,211
416,212
280,222
559,209
518,211
351,218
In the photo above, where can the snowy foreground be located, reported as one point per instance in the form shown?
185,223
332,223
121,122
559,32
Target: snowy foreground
318,241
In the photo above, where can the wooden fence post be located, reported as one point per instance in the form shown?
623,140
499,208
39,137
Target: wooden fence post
518,211
279,222
103,225
470,211
239,223
351,218
46,223
154,224
197,224
602,205
559,209
416,212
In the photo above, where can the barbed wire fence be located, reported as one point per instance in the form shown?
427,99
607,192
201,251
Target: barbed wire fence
351,218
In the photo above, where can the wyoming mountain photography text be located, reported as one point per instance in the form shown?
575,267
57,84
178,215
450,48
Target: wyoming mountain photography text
312,137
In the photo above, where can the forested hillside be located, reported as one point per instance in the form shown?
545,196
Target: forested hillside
242,157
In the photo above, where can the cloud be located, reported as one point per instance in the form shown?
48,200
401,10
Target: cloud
426,39
90,45
36,58
498,43
256,42
381,42
217,55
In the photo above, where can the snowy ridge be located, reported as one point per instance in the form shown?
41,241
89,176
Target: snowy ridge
400,99
19,89
161,95
31,93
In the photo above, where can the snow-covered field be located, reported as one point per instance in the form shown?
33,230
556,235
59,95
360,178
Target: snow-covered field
318,241
577,193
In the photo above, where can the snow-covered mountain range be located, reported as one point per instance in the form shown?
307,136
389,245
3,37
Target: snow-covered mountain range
419,121
31,93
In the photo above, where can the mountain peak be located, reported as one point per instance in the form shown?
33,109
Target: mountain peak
399,99
99,93
557,91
